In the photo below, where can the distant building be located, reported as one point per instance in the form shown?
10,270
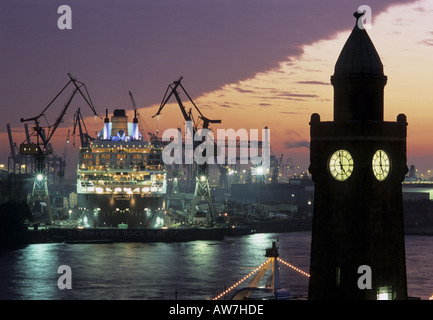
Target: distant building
295,196
73,200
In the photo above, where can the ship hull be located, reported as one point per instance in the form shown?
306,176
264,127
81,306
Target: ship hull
113,235
131,211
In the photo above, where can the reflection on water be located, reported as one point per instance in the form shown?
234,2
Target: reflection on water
195,270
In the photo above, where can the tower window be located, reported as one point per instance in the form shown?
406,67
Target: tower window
384,293
337,276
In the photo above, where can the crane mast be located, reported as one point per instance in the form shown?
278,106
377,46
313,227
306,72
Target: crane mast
85,138
42,148
202,190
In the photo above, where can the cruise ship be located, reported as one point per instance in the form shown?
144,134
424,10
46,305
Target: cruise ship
121,180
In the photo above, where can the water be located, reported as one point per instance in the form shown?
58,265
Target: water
195,270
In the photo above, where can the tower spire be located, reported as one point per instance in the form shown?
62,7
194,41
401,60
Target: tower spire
358,78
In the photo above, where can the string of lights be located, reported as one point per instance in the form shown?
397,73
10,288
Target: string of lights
261,266
293,267
240,281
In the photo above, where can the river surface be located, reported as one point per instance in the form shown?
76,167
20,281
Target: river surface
197,270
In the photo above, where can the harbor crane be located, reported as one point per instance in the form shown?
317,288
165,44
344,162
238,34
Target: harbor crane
187,116
16,162
202,190
85,138
42,148
64,156
275,164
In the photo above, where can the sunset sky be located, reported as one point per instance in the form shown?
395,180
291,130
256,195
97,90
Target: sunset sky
250,63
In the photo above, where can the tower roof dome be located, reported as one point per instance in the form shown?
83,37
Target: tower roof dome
358,56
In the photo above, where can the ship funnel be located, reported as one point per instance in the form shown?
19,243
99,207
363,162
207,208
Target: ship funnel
135,134
119,122
106,129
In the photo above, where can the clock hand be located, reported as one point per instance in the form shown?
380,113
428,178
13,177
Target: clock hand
339,159
380,161
341,166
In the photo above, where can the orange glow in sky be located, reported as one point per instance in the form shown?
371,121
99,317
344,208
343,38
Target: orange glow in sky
288,95
284,98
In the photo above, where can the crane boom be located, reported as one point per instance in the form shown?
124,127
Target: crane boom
60,118
186,116
41,148
173,91
133,101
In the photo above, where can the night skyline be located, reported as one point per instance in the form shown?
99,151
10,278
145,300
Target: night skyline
242,62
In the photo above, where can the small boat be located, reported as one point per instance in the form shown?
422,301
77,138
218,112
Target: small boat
272,290
274,287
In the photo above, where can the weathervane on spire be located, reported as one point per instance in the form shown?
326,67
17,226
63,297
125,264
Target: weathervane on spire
363,17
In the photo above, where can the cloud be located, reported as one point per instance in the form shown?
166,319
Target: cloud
291,96
298,95
243,90
314,82
281,98
297,144
422,9
295,141
293,112
427,42
143,46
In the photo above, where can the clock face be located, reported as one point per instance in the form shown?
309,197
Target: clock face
341,165
381,165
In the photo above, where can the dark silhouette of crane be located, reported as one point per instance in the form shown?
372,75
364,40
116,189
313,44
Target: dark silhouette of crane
85,138
42,148
172,90
202,191
64,156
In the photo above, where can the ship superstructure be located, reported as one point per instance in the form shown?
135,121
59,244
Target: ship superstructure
121,178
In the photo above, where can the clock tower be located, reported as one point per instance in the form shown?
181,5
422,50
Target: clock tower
358,162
